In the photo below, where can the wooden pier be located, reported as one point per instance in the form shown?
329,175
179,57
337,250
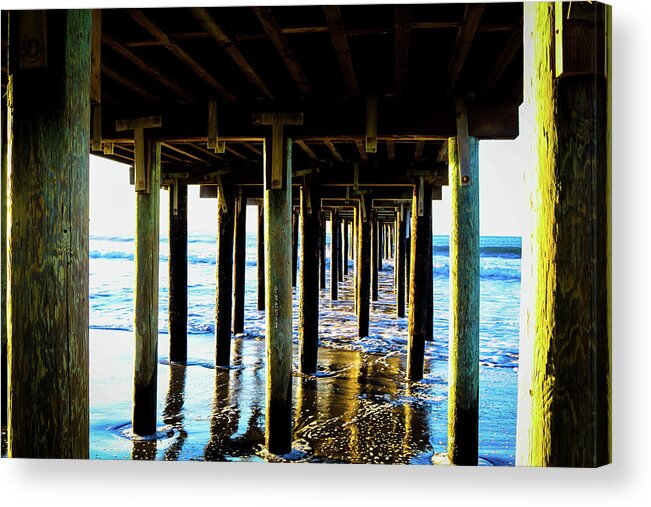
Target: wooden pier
340,123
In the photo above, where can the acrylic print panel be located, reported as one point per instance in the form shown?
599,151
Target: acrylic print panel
316,234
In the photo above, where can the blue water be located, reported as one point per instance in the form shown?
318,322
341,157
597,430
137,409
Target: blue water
111,308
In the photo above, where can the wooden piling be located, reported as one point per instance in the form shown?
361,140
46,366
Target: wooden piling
418,285
308,310
239,264
376,254
260,262
224,268
322,251
463,401
278,262
400,265
564,373
3,272
334,253
294,247
345,252
364,273
340,258
429,325
146,295
47,287
178,272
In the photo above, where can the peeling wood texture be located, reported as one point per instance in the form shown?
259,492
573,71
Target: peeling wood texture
239,265
49,139
308,310
463,380
178,274
3,274
564,379
418,285
146,296
224,268
278,262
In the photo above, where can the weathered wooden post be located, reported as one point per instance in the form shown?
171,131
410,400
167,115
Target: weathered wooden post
334,253
400,263
308,310
3,271
47,288
278,262
345,253
294,247
421,216
564,369
178,272
146,295
429,325
364,262
239,263
322,250
463,401
376,253
407,251
224,272
260,262
340,263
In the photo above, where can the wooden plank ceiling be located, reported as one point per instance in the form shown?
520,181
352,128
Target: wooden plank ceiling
323,61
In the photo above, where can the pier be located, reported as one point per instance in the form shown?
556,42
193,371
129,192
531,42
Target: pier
335,121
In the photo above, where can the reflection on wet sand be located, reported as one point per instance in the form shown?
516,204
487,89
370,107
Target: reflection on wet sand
173,413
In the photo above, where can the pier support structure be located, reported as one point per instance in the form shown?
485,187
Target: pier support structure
47,287
295,225
463,380
421,219
278,262
239,263
322,251
146,295
224,268
363,273
308,310
564,368
376,253
260,261
400,263
178,272
345,250
334,255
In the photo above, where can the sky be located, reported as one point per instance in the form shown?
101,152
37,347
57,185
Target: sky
502,166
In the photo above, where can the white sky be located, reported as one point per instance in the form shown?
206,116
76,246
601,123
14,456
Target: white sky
501,171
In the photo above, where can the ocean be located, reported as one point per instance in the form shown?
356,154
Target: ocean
357,409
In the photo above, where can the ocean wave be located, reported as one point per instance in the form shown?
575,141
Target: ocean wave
502,251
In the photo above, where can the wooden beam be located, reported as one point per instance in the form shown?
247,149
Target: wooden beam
401,47
307,150
229,48
239,263
130,84
463,143
139,17
340,43
333,150
253,149
507,54
184,152
371,124
96,58
138,125
169,82
224,267
213,142
465,37
442,154
271,26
